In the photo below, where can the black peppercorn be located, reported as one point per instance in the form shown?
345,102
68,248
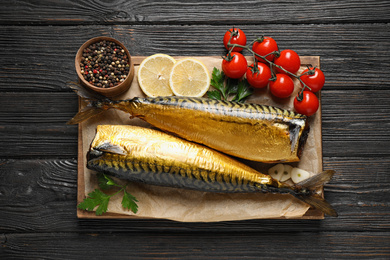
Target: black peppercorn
104,64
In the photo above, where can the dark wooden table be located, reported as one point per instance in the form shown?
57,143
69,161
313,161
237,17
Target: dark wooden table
38,155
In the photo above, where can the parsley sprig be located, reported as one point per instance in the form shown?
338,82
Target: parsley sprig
99,199
227,88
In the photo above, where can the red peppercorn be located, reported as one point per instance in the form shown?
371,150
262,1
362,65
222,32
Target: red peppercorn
100,64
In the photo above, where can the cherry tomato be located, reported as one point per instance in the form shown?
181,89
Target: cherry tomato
282,87
289,60
236,67
309,104
260,78
315,79
238,37
265,47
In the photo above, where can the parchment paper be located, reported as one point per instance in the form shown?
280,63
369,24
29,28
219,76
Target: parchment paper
194,206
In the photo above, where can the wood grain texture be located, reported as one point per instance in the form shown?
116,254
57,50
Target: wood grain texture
38,166
194,11
41,58
40,196
301,245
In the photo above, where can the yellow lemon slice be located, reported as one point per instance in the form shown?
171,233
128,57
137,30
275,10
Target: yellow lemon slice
189,77
153,75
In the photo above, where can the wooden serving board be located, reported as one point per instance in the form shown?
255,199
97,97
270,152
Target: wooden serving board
315,124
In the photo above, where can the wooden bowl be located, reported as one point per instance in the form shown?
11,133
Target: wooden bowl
111,91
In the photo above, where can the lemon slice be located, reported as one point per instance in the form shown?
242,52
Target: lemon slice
153,75
189,77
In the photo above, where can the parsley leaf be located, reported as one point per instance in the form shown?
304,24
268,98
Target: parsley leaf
94,199
243,91
103,205
104,181
99,199
227,88
232,86
217,80
214,94
129,202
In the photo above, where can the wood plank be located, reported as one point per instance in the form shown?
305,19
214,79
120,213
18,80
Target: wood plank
41,58
189,12
40,196
354,119
38,166
300,245
33,124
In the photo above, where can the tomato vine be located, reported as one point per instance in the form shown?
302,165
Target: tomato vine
265,50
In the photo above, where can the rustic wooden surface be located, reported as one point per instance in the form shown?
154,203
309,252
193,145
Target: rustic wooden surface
38,157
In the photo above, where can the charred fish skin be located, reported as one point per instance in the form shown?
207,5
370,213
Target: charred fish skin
250,131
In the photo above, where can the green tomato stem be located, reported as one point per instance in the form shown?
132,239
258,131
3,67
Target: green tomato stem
272,64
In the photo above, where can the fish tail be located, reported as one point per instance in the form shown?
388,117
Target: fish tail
96,103
84,114
320,203
307,192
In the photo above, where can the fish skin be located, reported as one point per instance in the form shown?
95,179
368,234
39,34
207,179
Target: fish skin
147,155
153,157
249,131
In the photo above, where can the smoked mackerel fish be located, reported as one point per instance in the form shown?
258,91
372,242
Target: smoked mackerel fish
249,131
151,156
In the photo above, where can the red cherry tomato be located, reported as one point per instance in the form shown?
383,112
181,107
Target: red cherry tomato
265,47
238,37
260,78
289,60
282,87
313,78
236,67
309,104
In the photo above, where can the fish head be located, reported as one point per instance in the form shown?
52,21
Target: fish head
93,154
